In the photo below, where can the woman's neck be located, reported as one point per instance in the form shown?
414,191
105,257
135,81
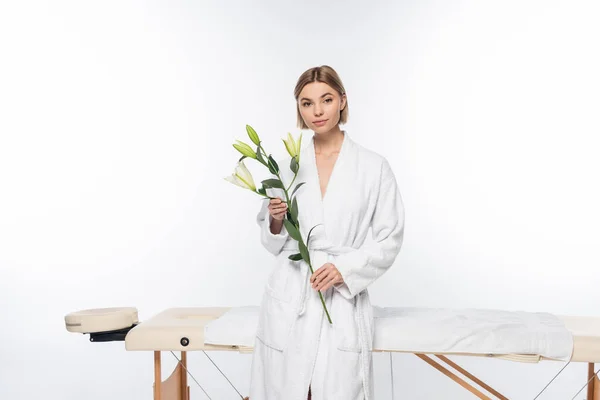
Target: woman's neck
330,142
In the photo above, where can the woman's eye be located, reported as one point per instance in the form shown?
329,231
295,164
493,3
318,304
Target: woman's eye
306,103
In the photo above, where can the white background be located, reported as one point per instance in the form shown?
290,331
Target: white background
116,124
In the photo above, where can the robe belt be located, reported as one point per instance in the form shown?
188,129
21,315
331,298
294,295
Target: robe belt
319,250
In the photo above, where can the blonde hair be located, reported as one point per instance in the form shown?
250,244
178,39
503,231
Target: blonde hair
325,74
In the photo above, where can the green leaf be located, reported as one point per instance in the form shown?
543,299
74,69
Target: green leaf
290,217
273,167
259,156
304,252
295,257
294,166
262,191
292,230
297,187
272,183
294,209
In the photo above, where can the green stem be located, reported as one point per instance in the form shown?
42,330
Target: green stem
321,296
295,175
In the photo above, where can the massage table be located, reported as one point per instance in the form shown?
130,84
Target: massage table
183,330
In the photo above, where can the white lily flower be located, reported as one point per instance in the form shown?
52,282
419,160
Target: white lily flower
242,177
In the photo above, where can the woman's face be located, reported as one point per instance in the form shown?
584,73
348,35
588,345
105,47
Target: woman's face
320,102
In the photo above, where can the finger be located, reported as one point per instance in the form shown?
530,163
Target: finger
323,279
278,208
333,278
324,271
316,273
325,287
327,284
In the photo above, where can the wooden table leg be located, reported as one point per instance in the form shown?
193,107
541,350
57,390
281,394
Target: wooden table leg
593,389
452,376
157,376
184,387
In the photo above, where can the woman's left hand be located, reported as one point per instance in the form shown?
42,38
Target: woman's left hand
325,277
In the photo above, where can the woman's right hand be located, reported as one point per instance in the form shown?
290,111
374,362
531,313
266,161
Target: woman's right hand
277,208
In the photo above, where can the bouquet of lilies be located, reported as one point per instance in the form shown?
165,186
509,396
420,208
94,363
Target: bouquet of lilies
243,178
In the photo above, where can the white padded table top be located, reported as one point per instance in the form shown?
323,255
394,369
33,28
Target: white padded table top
101,319
166,330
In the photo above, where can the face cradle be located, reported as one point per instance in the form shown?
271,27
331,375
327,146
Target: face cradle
320,106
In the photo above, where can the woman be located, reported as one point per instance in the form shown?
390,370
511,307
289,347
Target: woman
348,189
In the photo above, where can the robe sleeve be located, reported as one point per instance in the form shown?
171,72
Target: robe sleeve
361,267
273,243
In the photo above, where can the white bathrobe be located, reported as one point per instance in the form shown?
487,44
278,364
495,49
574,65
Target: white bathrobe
295,345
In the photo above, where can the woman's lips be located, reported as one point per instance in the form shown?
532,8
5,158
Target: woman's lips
320,123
